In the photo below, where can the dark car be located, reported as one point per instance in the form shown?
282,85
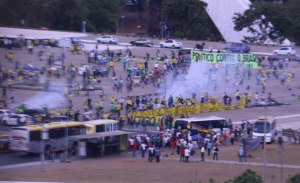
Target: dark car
4,143
238,48
32,112
142,42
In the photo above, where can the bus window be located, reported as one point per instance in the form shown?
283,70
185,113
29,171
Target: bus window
35,135
181,123
108,127
114,126
76,130
100,128
56,133
259,127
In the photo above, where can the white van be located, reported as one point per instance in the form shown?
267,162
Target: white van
258,128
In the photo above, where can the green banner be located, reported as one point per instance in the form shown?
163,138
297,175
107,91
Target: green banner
232,59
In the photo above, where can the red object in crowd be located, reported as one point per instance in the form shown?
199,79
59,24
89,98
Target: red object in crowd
172,144
135,145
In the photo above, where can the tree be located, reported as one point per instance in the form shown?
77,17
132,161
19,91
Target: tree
141,5
154,16
263,21
294,179
246,177
187,18
100,15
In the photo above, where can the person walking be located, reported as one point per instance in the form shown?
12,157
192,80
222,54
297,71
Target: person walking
202,153
216,151
143,147
157,154
134,148
245,155
187,155
209,146
241,154
151,153
182,152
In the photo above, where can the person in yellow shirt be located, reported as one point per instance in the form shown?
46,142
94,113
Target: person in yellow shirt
118,109
111,65
263,83
85,106
288,80
113,99
122,121
70,98
10,83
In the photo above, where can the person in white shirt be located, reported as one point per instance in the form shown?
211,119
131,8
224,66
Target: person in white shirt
190,145
131,144
202,150
151,153
187,155
143,147
121,102
156,65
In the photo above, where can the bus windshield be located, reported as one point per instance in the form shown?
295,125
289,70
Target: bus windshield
259,127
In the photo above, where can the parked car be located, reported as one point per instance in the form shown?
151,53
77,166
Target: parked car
107,39
171,44
32,112
238,48
17,119
4,113
285,51
142,42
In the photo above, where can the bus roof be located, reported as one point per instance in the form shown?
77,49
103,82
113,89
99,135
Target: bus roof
52,125
269,118
101,121
200,119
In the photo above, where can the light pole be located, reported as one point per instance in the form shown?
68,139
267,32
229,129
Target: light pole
264,144
123,17
45,136
137,29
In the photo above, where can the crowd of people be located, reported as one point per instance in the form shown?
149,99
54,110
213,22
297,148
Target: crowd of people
181,143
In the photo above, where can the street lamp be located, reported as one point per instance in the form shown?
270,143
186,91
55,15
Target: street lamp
123,17
137,29
44,136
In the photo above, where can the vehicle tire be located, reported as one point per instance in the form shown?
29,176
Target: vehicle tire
98,41
4,122
110,42
161,46
275,53
173,46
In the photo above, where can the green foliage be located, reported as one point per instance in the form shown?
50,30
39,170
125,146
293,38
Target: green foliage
100,15
188,18
294,179
283,17
246,177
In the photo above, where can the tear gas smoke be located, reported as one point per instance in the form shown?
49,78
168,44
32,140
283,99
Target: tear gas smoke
52,100
197,80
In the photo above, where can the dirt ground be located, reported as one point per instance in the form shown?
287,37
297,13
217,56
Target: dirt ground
139,170
168,170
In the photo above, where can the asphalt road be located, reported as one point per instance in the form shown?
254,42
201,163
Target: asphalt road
12,158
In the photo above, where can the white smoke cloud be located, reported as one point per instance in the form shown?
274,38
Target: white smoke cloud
196,81
52,100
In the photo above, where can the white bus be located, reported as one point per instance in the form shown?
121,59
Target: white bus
28,138
214,123
258,128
